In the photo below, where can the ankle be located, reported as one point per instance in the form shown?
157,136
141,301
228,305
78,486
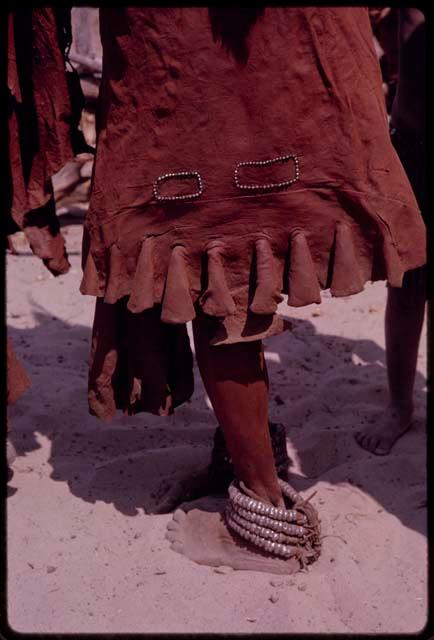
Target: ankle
266,493
403,409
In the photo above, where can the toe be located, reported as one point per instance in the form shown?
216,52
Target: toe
177,546
172,525
381,448
371,443
381,452
361,440
179,516
172,536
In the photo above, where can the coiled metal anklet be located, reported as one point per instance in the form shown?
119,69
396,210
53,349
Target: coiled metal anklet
283,532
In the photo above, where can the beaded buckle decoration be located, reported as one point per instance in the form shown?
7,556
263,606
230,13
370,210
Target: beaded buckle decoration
265,163
283,532
179,175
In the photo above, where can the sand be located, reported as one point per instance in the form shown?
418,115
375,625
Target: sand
84,556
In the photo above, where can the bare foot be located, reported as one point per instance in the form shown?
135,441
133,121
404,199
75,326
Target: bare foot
380,437
203,537
11,453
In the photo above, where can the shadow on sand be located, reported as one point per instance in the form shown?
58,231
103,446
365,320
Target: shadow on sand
323,387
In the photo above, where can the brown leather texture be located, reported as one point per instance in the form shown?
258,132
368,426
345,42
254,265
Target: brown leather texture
17,380
40,106
180,95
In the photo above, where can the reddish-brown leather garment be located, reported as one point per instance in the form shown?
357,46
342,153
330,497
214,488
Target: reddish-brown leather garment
38,141
41,119
40,127
16,377
177,97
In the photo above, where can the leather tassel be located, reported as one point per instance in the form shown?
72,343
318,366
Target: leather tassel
177,303
142,295
267,294
392,262
217,300
116,272
346,277
303,285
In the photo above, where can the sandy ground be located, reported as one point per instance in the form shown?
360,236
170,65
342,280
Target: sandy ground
83,556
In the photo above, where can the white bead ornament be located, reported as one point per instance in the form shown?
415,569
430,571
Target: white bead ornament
272,547
276,530
277,534
279,526
263,163
181,175
237,498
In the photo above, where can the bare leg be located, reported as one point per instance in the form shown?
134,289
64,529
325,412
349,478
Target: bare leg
236,381
403,326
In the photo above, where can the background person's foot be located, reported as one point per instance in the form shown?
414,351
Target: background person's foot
380,437
204,537
11,454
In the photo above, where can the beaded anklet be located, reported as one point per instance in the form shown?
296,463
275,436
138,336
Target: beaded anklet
283,532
